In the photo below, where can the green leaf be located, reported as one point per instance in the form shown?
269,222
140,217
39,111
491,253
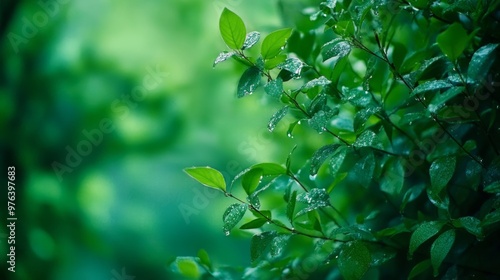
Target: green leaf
337,48
320,156
276,118
393,180
453,41
423,233
292,65
188,267
223,56
232,29
204,258
344,28
273,62
259,245
274,88
363,169
419,269
251,180
440,100
278,244
290,208
316,198
321,119
481,62
321,81
471,224
208,177
354,260
257,223
270,169
251,39
441,171
493,187
337,160
319,103
440,249
249,81
431,86
368,139
274,43
232,216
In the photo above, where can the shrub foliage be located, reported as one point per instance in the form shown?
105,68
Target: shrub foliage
407,184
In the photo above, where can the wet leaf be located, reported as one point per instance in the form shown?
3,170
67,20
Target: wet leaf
320,156
441,172
259,245
431,86
251,39
249,81
440,249
481,62
251,180
423,233
354,260
318,82
337,48
277,117
274,88
223,56
292,65
316,198
232,216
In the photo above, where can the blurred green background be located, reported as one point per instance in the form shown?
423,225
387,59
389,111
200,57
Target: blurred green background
129,87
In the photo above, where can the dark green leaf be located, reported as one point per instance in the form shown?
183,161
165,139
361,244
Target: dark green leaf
419,269
314,199
441,171
471,224
249,81
292,65
337,160
431,86
278,244
232,29
251,180
493,187
453,41
276,118
208,177
481,62
393,180
232,216
257,223
363,169
440,100
320,156
317,104
259,244
251,39
440,249
423,233
274,88
354,260
368,139
274,43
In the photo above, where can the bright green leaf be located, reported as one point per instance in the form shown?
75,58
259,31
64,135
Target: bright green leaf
188,267
257,223
232,29
275,42
250,181
440,249
290,208
204,258
208,177
453,41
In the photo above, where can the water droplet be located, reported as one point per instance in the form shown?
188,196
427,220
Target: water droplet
313,177
226,233
410,123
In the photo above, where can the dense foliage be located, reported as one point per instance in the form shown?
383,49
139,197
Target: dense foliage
406,184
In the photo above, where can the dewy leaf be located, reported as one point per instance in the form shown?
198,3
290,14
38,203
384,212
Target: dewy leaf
393,180
431,85
275,42
363,169
453,41
232,29
223,56
423,233
439,100
315,199
368,139
249,81
276,118
440,248
251,39
290,207
274,88
187,267
278,244
208,177
319,103
481,62
321,81
250,181
292,65
441,171
337,48
320,156
471,224
259,245
354,260
232,216
337,160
